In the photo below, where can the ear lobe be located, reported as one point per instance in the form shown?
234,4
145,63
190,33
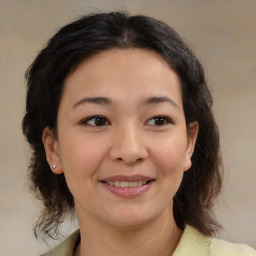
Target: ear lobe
191,141
187,163
51,147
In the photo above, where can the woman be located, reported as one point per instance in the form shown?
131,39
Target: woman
119,119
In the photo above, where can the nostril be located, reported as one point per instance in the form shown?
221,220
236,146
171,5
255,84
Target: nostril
129,161
127,154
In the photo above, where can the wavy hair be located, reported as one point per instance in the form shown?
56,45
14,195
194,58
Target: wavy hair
89,35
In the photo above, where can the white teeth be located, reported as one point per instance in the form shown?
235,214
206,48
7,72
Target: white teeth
126,184
123,184
133,184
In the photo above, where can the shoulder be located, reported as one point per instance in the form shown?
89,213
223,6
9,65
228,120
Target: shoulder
193,243
220,247
66,247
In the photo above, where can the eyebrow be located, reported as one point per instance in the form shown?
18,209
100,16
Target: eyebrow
108,101
160,99
94,100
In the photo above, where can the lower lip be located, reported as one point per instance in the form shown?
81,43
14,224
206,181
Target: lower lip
128,192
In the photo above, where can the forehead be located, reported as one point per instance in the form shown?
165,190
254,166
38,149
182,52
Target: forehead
126,73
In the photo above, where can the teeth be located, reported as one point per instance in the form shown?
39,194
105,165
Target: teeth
123,184
126,184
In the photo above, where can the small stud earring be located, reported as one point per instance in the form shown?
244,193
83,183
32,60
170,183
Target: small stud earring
54,166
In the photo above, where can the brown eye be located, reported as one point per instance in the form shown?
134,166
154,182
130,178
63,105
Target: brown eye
96,121
159,121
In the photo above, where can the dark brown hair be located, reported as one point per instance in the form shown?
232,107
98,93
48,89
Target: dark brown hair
193,203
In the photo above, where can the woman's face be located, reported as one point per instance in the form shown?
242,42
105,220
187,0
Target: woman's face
122,140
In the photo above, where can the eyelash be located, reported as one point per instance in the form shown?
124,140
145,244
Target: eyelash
166,120
86,121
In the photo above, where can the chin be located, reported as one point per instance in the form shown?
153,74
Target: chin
129,224
132,218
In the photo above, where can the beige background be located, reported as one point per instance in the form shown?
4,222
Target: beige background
223,36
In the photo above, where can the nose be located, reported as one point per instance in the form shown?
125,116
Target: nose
128,146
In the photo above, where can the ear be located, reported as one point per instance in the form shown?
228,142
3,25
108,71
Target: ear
191,141
52,151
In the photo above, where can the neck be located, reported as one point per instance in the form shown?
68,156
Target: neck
158,237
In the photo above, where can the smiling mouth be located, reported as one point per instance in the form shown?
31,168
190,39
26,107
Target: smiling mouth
127,184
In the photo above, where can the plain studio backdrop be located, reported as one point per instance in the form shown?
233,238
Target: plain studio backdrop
223,36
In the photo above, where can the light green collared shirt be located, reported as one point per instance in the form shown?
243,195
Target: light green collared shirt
192,243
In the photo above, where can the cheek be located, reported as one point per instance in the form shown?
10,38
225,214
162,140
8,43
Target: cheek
170,156
80,164
81,158
169,161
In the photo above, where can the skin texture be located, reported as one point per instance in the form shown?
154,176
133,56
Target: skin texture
130,140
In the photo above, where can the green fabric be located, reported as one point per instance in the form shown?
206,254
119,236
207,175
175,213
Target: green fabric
66,247
192,243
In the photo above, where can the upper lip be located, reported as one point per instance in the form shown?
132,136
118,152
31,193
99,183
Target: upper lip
128,178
